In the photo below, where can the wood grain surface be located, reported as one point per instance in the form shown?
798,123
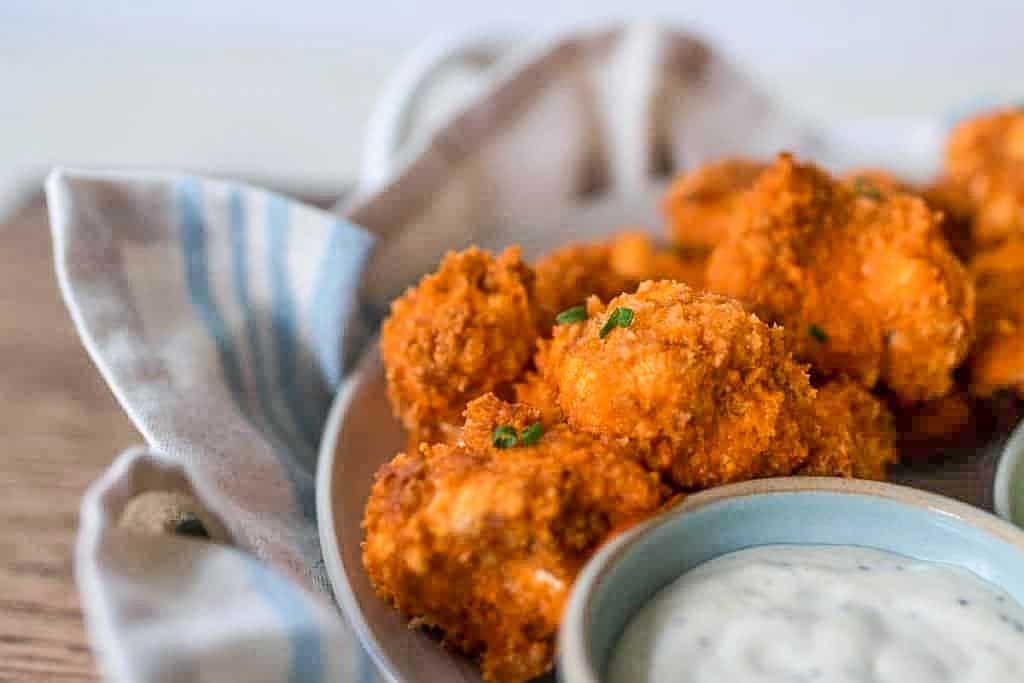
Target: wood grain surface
60,427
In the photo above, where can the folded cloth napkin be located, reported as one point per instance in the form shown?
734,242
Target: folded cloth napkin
225,317
221,316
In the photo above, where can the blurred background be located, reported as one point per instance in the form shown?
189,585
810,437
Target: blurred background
280,92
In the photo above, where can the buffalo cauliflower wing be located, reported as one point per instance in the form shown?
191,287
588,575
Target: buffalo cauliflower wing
461,332
570,274
985,159
701,206
706,391
484,542
856,437
865,284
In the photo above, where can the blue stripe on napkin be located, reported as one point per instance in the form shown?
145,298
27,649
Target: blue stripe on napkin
326,317
306,664
278,373
194,248
297,456
240,277
337,282
283,314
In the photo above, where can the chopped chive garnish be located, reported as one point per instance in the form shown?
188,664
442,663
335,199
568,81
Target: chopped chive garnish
572,315
531,434
817,333
864,187
609,324
504,436
620,317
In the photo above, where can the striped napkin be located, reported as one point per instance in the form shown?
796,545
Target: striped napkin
224,318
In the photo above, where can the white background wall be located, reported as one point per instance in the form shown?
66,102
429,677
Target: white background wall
280,91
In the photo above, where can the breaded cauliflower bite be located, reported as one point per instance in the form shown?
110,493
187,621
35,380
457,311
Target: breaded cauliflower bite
985,156
570,274
484,542
701,206
997,358
635,256
856,437
950,198
461,332
703,388
942,195
865,285
539,388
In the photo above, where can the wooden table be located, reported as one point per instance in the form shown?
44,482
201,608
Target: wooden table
60,427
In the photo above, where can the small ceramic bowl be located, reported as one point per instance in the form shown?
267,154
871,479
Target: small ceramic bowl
627,572
1008,487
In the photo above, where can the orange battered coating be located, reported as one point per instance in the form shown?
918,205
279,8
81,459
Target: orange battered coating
538,391
985,156
461,332
997,359
856,437
701,206
539,388
485,543
943,196
634,256
570,274
951,199
431,433
708,391
865,286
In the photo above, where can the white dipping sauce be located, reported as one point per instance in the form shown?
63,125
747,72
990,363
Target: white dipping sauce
823,613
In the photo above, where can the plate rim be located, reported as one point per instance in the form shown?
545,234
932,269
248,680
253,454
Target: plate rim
329,550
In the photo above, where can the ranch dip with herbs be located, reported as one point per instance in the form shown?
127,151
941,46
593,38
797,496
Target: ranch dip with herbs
836,614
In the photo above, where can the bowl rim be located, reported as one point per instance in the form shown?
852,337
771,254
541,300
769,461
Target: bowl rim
1009,468
574,661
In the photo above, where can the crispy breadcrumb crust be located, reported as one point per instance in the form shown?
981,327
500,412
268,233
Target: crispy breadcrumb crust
985,157
997,359
570,274
866,286
708,392
463,331
484,543
856,437
701,206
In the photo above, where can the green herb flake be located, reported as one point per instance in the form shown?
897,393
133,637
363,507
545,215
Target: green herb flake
572,315
817,333
865,188
504,436
620,317
531,434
